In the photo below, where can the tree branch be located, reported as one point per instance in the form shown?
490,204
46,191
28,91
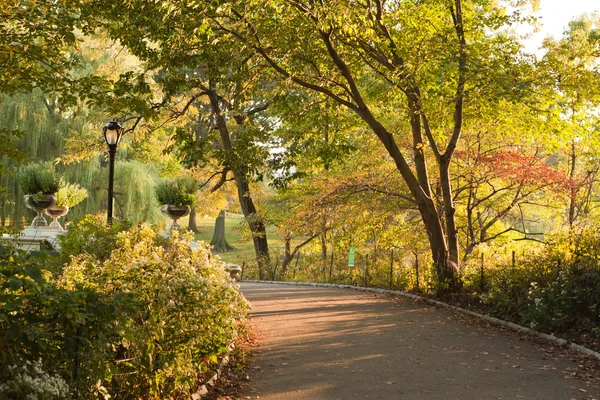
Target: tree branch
221,181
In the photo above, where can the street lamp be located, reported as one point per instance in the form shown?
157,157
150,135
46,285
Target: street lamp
112,134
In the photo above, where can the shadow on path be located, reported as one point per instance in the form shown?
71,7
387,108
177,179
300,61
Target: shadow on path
320,343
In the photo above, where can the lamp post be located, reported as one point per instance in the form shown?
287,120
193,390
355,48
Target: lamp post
112,134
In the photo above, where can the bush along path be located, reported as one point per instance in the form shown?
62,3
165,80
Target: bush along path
121,313
328,343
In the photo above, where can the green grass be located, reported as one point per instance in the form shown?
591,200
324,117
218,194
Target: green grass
233,233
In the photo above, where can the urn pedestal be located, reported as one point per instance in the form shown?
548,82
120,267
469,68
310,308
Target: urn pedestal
38,236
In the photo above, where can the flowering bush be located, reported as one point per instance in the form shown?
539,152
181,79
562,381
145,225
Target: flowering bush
143,320
30,382
557,290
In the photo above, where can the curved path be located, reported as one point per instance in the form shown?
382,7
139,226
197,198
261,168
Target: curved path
328,344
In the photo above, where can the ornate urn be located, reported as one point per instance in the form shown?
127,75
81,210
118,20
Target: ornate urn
39,204
56,212
174,212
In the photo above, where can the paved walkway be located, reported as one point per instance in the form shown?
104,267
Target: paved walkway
328,344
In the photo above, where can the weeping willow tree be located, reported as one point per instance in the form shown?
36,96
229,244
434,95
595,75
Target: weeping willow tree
133,189
44,128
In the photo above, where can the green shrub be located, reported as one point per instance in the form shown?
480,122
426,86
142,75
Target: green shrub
70,194
68,330
30,381
186,317
558,290
38,178
93,236
129,315
180,191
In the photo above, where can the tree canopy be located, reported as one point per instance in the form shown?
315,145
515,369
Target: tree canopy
433,105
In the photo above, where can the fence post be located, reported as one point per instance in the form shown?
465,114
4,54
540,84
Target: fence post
296,266
243,268
331,264
366,271
374,258
274,274
513,259
392,269
482,277
417,270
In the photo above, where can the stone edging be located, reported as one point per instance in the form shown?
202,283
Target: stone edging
211,382
511,325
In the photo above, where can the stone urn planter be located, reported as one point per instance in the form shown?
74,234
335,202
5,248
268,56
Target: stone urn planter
174,212
56,212
39,204
233,270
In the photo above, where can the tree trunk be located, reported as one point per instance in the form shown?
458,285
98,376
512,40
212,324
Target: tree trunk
219,242
573,191
287,255
446,269
257,227
192,223
3,214
449,210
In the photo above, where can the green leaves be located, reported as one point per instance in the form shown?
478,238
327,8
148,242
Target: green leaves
15,284
38,178
180,191
129,314
70,194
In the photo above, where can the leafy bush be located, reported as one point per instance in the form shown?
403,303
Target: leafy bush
558,290
129,315
92,236
70,194
180,191
30,381
71,331
38,178
187,312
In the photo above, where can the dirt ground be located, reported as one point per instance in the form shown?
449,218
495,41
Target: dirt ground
322,343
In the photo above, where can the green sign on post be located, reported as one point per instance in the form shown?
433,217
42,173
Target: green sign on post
351,256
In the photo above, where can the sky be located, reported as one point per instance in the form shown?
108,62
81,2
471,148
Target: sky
555,16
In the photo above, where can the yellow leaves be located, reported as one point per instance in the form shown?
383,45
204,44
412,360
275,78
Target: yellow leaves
535,5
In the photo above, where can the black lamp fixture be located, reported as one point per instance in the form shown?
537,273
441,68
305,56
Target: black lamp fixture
113,132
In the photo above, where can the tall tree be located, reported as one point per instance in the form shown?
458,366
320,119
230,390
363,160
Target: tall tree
407,69
38,51
212,77
573,76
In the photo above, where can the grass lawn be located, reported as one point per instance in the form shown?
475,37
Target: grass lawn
233,234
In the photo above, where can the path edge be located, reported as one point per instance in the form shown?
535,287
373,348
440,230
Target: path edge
203,390
496,321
